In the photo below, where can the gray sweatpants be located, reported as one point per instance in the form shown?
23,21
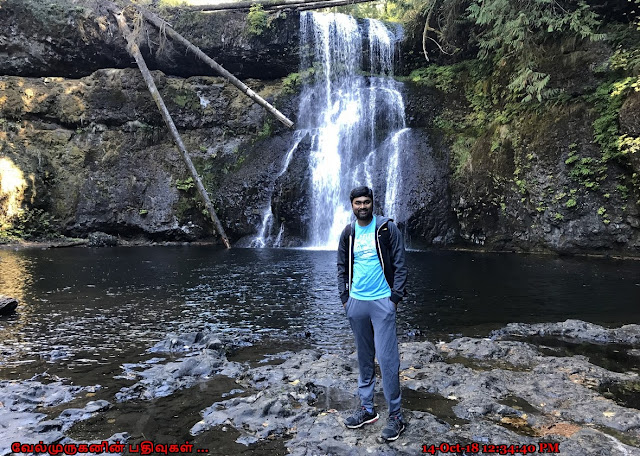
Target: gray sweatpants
374,326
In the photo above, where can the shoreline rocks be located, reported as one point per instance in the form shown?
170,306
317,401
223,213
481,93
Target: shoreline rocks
574,329
484,391
503,393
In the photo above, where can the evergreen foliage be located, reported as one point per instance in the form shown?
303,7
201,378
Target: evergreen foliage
519,46
513,34
257,20
30,224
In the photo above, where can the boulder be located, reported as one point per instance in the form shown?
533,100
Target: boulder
7,305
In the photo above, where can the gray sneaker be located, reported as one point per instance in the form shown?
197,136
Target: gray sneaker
360,418
393,429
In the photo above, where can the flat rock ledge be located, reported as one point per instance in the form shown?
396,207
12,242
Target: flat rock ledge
22,417
494,393
574,329
469,390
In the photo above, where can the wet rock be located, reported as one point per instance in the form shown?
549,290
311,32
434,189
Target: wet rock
425,208
574,329
591,442
419,355
291,201
71,416
31,394
520,396
57,354
100,239
21,406
70,39
161,380
7,305
82,141
49,425
188,342
517,353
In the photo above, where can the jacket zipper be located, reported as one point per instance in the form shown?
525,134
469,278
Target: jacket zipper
350,261
379,249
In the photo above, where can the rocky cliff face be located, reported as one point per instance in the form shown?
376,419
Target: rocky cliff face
82,141
72,38
542,179
94,153
538,197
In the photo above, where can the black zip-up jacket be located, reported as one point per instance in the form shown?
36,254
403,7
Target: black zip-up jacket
390,248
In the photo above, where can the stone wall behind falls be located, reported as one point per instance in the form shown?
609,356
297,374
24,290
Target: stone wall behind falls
82,140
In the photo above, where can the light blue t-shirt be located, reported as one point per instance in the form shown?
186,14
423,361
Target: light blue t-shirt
368,277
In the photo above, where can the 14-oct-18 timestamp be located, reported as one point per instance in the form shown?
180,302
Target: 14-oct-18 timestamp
476,448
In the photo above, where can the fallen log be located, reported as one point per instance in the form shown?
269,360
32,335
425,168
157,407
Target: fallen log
162,25
272,4
7,305
133,49
320,4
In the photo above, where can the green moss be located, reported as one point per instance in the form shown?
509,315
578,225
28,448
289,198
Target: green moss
266,131
461,150
186,185
441,77
521,184
30,224
606,130
184,207
52,13
609,97
291,83
181,94
257,20
623,190
171,3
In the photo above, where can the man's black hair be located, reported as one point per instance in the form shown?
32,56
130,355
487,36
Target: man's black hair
361,191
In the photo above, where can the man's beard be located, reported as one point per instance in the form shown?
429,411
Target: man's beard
364,215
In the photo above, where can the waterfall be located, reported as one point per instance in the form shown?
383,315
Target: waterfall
261,240
356,121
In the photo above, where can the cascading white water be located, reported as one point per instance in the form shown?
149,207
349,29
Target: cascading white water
355,121
393,177
261,240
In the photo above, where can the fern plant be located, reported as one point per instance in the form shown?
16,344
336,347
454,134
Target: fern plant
513,33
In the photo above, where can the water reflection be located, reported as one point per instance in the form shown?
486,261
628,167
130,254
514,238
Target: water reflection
15,275
87,307
15,281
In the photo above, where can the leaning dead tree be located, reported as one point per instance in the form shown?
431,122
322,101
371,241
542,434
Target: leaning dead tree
431,8
134,50
163,27
272,4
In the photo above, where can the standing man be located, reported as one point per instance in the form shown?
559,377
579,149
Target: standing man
371,280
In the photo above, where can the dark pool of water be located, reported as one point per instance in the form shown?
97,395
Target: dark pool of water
93,309
85,312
